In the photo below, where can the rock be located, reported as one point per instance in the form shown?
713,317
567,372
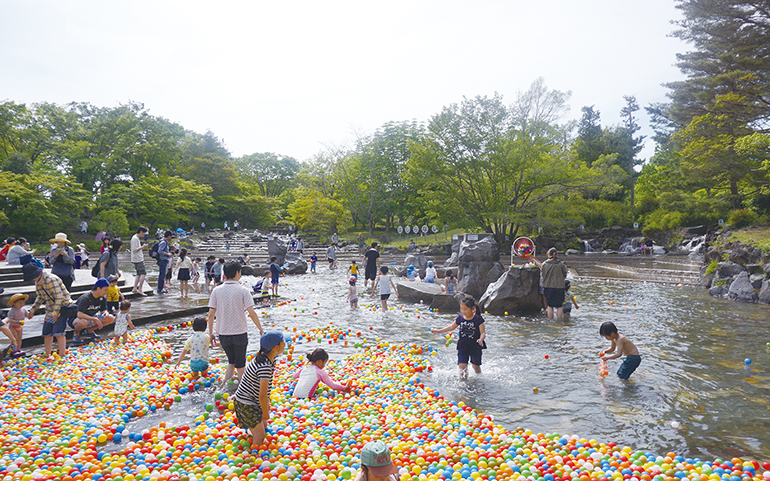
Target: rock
706,279
764,292
277,247
446,302
713,254
719,291
517,290
247,270
454,258
418,261
478,264
740,256
294,263
754,269
741,289
766,270
756,280
573,252
728,269
417,291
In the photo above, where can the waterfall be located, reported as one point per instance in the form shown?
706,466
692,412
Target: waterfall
587,246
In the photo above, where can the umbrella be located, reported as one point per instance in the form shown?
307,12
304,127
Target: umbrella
100,236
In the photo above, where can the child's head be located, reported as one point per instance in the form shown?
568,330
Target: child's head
354,262
468,307
271,343
113,280
319,356
231,269
430,263
18,301
384,270
352,280
449,274
183,253
199,324
221,260
376,462
211,258
608,330
197,259
125,305
273,259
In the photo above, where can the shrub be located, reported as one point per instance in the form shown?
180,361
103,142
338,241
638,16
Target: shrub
742,218
712,267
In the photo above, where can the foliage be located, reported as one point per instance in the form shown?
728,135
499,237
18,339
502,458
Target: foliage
313,212
112,220
712,267
598,213
272,173
741,218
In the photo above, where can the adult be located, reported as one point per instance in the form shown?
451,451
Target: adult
137,258
236,225
227,227
553,272
372,259
7,244
62,258
105,243
335,240
18,251
300,245
203,227
361,243
50,290
92,313
331,256
108,262
84,227
164,257
228,304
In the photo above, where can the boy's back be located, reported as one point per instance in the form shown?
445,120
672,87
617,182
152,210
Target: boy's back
625,346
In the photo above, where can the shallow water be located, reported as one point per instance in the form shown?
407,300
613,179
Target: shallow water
692,373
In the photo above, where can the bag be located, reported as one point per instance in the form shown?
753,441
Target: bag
154,250
96,270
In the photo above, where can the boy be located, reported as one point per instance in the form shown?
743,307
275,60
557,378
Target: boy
569,301
353,269
198,347
114,296
624,345
207,271
313,260
252,398
216,271
275,274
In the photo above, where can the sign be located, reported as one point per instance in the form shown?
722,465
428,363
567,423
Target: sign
471,237
636,225
400,230
407,229
425,229
434,229
454,237
721,221
540,228
445,228
416,230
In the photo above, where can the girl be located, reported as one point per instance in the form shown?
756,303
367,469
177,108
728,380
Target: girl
183,266
123,321
472,335
450,283
16,317
385,283
352,294
430,273
312,374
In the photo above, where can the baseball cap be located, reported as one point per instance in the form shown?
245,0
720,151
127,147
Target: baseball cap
31,271
375,455
353,279
270,339
101,282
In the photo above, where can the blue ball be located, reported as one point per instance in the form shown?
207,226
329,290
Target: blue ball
747,361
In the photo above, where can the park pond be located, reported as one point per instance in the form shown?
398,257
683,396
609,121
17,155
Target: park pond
694,393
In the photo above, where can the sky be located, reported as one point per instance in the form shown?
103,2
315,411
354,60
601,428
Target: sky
296,77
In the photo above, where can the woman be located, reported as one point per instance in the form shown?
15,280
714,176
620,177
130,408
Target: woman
19,251
108,262
553,272
63,259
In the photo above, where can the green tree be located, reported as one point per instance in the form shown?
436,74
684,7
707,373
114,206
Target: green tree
314,212
163,199
273,173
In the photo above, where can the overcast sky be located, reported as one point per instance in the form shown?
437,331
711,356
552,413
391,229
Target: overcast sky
293,76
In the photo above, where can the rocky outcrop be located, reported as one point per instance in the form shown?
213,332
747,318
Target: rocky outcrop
764,293
277,247
454,258
517,290
478,264
418,261
740,256
417,291
294,263
741,289
446,302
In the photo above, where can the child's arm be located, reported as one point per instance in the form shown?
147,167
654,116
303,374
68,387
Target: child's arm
574,302
450,327
611,349
329,382
130,324
374,286
483,334
296,374
120,294
181,356
264,401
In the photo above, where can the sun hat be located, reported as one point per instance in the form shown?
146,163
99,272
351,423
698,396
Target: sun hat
101,282
112,278
352,279
31,271
270,339
82,246
60,237
375,455
16,297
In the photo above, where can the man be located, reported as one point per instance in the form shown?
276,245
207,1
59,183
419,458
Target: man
228,303
137,258
300,245
331,256
335,240
92,313
63,259
372,264
203,227
164,257
50,290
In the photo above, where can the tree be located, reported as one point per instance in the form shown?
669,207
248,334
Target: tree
165,199
313,212
273,173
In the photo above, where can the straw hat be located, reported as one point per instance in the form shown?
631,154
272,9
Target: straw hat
60,237
16,297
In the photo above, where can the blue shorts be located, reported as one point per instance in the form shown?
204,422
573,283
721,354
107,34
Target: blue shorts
430,280
274,280
473,357
630,363
199,366
56,328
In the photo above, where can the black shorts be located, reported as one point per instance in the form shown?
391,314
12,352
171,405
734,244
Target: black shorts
554,297
183,275
235,348
384,297
370,274
474,357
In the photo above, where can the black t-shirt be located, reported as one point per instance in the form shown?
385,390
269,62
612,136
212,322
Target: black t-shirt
371,259
469,333
90,305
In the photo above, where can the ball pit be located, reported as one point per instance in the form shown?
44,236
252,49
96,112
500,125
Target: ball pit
57,415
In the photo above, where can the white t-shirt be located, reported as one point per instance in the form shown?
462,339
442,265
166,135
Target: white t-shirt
384,284
231,300
430,273
136,255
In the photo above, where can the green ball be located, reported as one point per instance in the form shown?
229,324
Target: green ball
209,407
218,396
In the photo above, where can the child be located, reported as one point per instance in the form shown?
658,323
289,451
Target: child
11,337
196,275
411,272
632,360
376,463
16,317
450,283
123,321
183,266
471,338
385,283
198,347
312,374
114,296
430,273
313,260
216,271
570,300
275,274
252,398
352,294
208,270
353,269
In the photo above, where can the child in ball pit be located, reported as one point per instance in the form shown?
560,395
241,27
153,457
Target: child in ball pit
376,464
311,375
472,335
198,347
252,398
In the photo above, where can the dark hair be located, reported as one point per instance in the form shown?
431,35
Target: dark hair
352,283
182,253
449,273
607,328
199,324
21,240
125,305
116,244
197,259
141,229
168,233
384,269
10,240
374,244
273,259
211,257
469,302
354,262
221,260
318,355
567,284
231,269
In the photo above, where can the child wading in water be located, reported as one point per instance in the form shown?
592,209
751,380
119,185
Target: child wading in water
183,266
385,283
472,335
450,283
624,346
569,301
313,374
252,398
198,347
376,464
352,294
275,274
123,321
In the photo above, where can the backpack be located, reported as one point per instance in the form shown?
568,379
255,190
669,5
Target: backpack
96,270
154,250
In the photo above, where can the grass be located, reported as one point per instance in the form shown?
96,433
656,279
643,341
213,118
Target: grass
758,236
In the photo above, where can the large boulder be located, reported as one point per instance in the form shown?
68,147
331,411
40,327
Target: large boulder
764,292
719,290
729,269
706,278
756,281
517,290
740,256
294,263
277,247
454,258
478,264
446,302
741,289
713,254
417,291
418,261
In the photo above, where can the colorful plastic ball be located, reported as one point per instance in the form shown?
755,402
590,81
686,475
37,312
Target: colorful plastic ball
747,361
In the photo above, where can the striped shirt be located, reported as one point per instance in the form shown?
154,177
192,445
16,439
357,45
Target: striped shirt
249,388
